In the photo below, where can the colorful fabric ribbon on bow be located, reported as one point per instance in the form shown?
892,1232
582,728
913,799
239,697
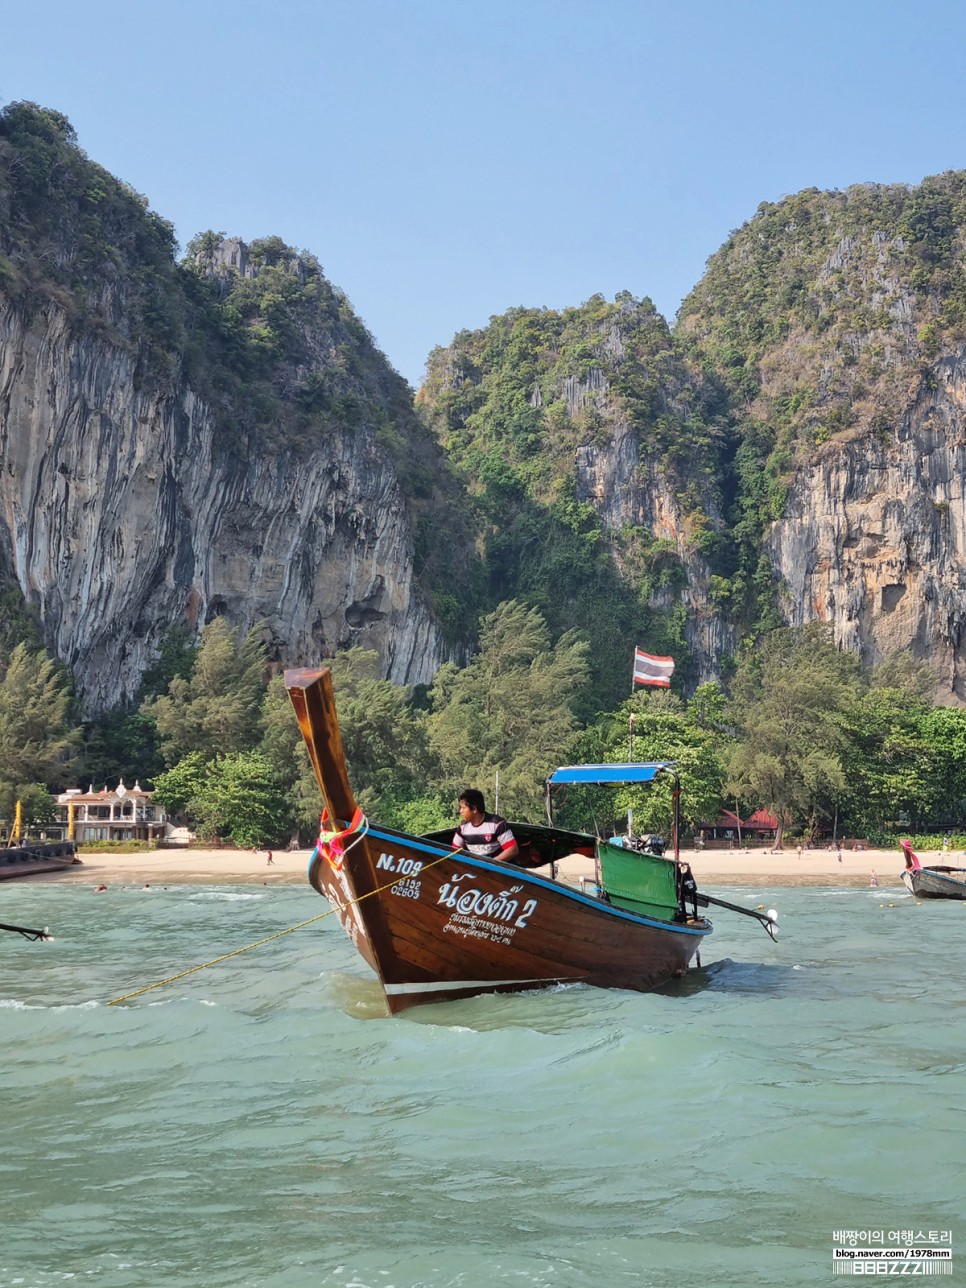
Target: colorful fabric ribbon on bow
331,843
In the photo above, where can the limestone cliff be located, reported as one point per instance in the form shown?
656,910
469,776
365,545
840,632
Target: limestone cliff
873,538
123,515
596,452
172,449
838,322
220,436
635,489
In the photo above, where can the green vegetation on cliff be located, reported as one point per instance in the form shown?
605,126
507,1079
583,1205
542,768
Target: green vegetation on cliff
533,411
74,236
822,317
821,312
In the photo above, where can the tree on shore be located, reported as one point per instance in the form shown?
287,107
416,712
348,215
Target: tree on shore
666,728
241,800
37,737
511,710
789,702
217,710
38,807
235,798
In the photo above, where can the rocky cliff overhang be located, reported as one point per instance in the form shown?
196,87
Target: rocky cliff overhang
125,513
873,539
629,487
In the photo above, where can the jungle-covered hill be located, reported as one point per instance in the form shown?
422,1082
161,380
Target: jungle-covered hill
790,451
216,435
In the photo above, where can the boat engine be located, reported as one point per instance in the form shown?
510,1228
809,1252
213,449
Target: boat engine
646,844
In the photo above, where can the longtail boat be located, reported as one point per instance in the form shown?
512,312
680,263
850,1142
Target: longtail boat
938,881
437,923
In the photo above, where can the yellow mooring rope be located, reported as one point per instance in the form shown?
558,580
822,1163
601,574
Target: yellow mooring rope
115,1001
224,957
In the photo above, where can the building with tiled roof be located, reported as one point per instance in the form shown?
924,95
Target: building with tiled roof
124,814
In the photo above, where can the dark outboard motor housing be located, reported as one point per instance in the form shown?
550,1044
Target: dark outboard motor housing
655,844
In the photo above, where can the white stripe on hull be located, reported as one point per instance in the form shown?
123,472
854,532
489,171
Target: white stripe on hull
452,984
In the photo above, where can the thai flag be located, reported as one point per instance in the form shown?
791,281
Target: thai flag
649,669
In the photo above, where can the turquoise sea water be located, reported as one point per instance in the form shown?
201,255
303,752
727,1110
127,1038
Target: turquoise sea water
261,1123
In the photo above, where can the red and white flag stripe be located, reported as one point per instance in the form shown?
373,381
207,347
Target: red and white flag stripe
649,669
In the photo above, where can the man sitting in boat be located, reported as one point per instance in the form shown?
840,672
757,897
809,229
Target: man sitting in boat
487,835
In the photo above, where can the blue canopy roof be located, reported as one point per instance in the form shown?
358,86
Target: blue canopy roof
636,772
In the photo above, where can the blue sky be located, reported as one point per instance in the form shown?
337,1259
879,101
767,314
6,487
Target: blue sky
447,160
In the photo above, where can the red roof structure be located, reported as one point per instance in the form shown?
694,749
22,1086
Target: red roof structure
762,821
729,821
727,825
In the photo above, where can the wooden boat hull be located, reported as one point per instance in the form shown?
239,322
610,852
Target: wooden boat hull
935,882
27,861
438,924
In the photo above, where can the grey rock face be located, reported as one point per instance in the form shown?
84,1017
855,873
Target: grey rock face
123,514
874,537
629,488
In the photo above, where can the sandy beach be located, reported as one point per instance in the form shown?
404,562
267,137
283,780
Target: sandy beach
725,867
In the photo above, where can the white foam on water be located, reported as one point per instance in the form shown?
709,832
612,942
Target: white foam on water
15,1004
225,896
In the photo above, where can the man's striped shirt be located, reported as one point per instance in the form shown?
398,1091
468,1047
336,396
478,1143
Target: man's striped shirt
487,839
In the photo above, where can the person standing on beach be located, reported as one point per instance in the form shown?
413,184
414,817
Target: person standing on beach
270,859
873,879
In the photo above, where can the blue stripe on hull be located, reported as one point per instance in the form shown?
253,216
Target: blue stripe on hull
523,874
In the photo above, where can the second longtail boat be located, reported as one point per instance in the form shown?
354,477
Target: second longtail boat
938,881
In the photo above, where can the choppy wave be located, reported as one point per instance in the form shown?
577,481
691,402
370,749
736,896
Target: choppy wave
243,1128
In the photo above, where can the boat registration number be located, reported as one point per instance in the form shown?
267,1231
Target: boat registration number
408,889
405,867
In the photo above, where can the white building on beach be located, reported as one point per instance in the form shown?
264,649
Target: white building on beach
124,814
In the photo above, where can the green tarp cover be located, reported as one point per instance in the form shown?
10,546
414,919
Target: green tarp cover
641,883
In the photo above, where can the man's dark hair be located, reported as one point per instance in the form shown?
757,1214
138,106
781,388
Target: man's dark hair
474,799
